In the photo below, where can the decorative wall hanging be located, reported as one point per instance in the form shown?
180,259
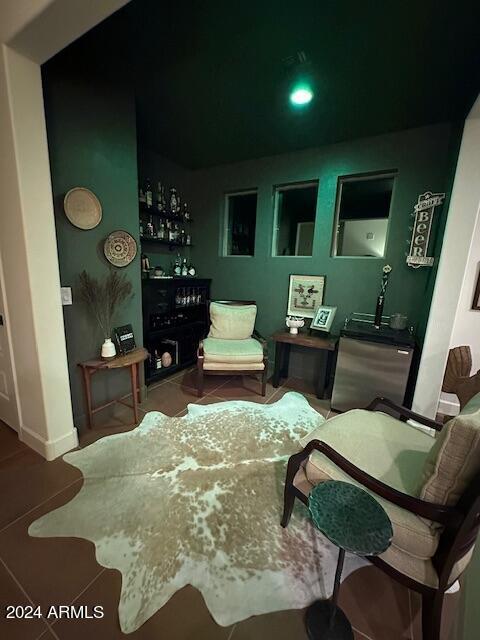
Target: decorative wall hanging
120,248
82,208
305,295
423,214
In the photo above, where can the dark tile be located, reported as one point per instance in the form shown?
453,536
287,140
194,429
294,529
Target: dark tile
18,628
282,625
244,388
376,605
188,381
92,435
184,617
51,570
24,486
300,385
169,398
9,442
21,459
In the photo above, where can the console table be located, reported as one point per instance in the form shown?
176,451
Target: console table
284,340
131,361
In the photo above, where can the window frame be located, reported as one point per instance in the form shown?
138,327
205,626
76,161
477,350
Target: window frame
226,227
361,177
315,182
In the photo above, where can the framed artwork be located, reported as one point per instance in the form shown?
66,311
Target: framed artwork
323,319
476,295
305,295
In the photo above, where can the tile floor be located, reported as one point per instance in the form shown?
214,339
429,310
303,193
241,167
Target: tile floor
43,572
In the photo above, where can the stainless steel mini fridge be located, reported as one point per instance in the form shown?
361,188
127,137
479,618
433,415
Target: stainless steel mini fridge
370,365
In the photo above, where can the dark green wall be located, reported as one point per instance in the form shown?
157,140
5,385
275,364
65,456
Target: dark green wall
92,143
421,158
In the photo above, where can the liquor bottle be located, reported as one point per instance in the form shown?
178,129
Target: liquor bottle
159,197
173,201
186,212
148,194
162,231
141,196
177,269
188,239
184,268
150,228
192,272
141,228
182,236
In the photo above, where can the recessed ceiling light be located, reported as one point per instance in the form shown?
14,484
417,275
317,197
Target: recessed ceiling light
301,95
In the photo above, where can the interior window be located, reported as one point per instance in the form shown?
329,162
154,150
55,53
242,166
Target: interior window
295,211
362,216
240,223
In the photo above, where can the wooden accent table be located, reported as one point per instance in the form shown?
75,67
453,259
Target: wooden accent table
284,340
131,360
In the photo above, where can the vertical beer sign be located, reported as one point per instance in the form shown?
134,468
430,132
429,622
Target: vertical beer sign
423,213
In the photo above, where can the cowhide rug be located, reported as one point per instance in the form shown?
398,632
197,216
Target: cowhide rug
197,500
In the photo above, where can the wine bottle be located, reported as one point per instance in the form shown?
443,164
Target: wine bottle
173,201
159,196
148,194
178,266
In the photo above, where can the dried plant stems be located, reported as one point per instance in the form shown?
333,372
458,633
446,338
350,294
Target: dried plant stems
104,297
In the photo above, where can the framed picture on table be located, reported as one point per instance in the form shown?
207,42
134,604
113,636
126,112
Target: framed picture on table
305,295
323,319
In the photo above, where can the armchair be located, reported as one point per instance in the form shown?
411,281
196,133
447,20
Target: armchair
233,346
429,487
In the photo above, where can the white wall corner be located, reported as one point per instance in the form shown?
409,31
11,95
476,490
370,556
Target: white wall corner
49,449
452,276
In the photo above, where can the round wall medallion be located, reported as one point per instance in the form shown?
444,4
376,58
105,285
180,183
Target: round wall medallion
82,208
120,248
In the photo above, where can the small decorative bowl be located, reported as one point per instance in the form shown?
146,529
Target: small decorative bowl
294,323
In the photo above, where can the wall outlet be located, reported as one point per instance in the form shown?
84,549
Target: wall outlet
66,294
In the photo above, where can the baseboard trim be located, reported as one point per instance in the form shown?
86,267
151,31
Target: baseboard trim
49,449
448,408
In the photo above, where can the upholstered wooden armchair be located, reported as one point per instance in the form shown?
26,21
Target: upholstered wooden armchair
232,347
430,488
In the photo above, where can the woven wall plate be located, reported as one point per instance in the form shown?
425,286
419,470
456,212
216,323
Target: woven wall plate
120,248
82,208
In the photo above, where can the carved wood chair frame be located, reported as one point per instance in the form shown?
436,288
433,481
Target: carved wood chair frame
460,523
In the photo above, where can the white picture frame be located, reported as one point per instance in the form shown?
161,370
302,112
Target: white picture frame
305,295
323,319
